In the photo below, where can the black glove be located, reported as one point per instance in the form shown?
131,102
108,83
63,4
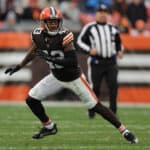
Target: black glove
12,70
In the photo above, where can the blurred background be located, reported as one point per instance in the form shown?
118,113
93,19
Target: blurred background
19,17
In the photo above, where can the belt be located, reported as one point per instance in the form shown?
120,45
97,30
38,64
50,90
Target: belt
96,59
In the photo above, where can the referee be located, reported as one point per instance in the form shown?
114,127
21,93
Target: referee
103,44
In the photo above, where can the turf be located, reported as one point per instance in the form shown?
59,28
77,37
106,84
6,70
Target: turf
76,131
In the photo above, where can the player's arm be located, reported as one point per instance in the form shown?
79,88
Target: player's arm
29,56
70,58
118,43
83,40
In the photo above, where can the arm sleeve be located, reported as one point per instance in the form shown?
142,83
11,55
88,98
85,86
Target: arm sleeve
83,39
118,42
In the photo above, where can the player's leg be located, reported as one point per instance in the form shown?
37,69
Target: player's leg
95,75
111,78
49,127
82,88
39,92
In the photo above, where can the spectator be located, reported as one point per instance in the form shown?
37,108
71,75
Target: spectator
91,5
124,26
95,3
18,7
32,11
120,6
86,18
115,18
10,22
140,29
108,3
3,8
136,10
71,13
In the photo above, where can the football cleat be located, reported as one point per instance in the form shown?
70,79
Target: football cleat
91,113
129,136
44,132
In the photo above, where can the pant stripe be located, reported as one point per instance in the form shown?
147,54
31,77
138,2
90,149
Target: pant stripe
89,89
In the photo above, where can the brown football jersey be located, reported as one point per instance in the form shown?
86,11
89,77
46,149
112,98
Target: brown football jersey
54,45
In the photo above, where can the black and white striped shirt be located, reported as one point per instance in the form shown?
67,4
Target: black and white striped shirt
104,37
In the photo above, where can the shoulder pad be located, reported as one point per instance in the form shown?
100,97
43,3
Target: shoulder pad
37,31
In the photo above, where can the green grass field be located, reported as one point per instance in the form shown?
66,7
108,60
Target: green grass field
76,131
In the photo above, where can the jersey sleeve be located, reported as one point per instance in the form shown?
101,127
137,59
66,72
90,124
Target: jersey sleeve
69,37
36,31
115,30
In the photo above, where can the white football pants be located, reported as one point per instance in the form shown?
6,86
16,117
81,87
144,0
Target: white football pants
50,85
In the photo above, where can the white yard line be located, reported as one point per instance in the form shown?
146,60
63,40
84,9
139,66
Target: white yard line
66,147
71,104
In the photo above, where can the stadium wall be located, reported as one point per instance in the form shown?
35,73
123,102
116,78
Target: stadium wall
133,78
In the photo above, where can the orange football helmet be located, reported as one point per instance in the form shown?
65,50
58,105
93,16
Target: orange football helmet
51,19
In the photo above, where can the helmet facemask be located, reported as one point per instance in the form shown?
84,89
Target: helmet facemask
53,25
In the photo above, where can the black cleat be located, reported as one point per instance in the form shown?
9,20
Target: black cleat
44,132
129,136
91,113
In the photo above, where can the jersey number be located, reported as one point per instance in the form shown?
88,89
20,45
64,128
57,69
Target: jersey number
37,31
59,55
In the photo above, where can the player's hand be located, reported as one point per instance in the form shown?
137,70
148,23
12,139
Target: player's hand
120,54
93,51
12,70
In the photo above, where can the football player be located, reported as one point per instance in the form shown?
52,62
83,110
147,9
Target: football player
54,44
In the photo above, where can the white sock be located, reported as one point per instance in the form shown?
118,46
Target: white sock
125,131
50,125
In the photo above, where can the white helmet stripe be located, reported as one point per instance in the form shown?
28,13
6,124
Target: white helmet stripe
53,11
